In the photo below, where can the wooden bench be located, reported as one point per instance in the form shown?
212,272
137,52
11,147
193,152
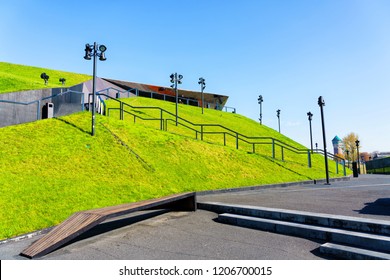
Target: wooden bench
80,222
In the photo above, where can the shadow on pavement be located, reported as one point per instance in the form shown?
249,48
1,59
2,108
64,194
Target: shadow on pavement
379,207
116,224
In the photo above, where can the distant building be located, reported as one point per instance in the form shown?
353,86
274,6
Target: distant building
337,146
379,155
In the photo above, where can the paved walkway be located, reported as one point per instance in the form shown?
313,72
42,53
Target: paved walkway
195,235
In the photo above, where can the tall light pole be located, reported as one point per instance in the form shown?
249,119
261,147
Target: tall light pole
176,79
260,100
278,115
321,103
310,116
202,83
357,142
94,51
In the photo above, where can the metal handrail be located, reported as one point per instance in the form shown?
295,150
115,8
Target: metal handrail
239,136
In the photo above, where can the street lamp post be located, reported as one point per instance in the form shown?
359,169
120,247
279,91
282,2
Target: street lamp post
202,83
321,103
176,79
94,51
310,116
260,100
278,115
357,142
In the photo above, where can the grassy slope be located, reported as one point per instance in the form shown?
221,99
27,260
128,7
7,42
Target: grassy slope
53,168
16,77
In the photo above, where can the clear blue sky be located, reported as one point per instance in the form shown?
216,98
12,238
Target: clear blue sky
291,52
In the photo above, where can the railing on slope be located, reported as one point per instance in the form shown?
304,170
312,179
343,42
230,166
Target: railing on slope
251,140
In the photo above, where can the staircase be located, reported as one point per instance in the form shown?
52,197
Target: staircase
345,237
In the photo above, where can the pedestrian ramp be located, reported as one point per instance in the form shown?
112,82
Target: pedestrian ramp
346,237
83,221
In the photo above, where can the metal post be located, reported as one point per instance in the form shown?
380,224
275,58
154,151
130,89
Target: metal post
358,156
321,103
261,113
273,148
93,51
278,115
260,100
202,100
121,111
176,79
161,120
310,115
345,171
94,88
177,97
309,158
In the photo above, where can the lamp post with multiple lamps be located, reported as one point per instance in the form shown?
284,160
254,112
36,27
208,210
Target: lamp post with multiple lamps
310,116
321,103
202,83
94,51
175,80
260,100
278,115
357,142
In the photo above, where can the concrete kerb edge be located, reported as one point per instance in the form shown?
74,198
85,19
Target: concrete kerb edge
268,186
26,236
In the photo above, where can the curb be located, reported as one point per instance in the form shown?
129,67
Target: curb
277,185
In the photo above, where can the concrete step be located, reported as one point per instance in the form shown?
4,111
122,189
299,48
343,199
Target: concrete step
373,226
351,253
367,241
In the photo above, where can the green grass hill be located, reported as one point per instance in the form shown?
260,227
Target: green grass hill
15,77
54,167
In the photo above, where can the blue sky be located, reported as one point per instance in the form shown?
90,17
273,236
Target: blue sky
290,52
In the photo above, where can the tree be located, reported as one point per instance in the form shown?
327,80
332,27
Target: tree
350,146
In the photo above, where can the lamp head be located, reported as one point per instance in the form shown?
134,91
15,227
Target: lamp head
321,101
102,57
88,51
102,48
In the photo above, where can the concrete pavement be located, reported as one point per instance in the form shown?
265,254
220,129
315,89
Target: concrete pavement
197,235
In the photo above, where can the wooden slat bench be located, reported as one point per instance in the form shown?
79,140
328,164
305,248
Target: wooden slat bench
80,222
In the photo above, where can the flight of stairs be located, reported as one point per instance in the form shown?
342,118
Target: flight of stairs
345,237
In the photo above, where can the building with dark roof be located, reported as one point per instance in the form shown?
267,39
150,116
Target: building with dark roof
214,101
